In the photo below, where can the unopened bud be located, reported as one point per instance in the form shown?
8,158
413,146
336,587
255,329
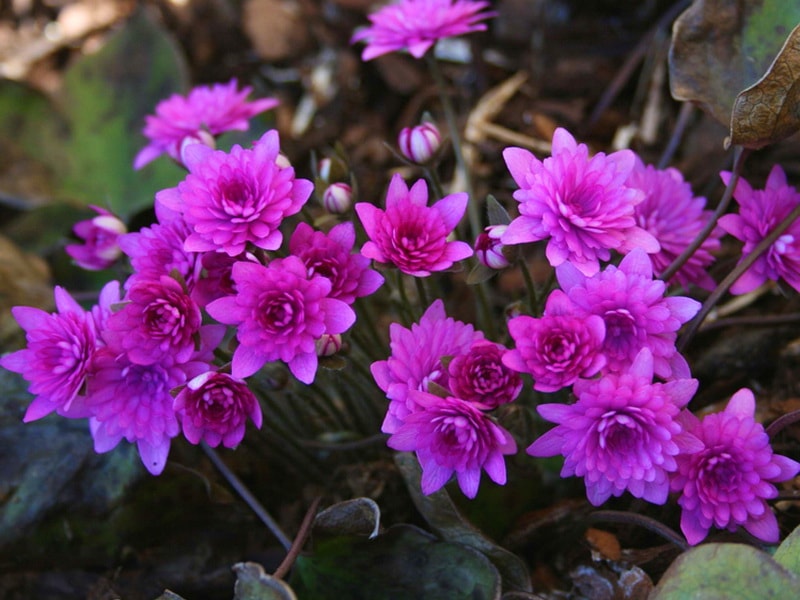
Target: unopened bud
488,248
418,144
337,198
329,344
101,241
199,137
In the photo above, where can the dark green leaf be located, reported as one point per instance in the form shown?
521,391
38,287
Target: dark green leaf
359,516
252,583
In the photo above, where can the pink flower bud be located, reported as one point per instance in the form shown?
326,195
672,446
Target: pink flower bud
488,248
329,344
100,234
337,198
324,169
418,144
199,137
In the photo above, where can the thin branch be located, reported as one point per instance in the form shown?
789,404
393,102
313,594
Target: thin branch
299,540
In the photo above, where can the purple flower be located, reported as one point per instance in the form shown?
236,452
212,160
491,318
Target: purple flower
214,407
416,359
479,376
159,320
57,358
418,144
410,234
635,311
279,312
100,235
489,248
622,434
760,211
232,199
416,25
581,205
674,216
158,250
559,347
205,110
329,255
726,484
450,436
217,279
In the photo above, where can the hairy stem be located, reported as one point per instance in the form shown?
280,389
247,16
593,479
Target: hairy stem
631,518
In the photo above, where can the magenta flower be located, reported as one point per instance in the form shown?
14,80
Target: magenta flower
760,211
416,359
329,255
674,216
217,280
410,234
479,376
451,436
100,235
416,25
635,311
581,205
559,347
158,321
279,312
214,407
57,358
205,110
622,434
232,199
158,250
727,483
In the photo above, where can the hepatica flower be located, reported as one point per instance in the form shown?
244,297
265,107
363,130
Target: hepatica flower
100,235
727,482
557,348
280,312
635,312
479,376
451,436
674,216
232,199
622,434
416,25
416,359
760,211
206,110
410,234
579,204
214,407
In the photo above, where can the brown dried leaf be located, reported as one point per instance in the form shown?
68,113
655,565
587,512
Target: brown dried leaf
769,111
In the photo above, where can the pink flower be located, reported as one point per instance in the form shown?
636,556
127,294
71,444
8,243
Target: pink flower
760,211
280,311
214,407
635,312
453,436
581,205
217,280
419,144
622,434
329,255
489,248
205,110
416,25
559,347
158,321
232,199
674,216
410,234
479,376
58,356
727,483
416,359
100,235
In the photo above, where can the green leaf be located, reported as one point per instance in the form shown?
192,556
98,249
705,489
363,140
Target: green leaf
105,99
359,516
252,583
788,553
405,562
721,47
717,571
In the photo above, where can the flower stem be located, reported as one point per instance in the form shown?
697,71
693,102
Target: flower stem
421,292
631,518
782,422
734,275
533,301
299,541
740,155
247,496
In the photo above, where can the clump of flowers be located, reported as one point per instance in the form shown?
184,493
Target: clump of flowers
100,235
726,483
416,25
205,112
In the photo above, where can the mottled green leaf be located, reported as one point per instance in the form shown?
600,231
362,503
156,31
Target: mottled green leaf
252,583
359,516
788,553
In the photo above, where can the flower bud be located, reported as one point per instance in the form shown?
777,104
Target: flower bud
488,248
101,241
337,198
329,344
418,144
200,137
